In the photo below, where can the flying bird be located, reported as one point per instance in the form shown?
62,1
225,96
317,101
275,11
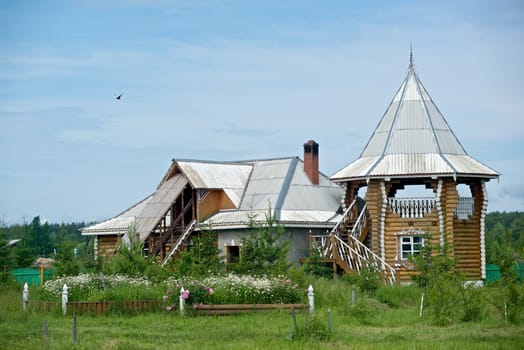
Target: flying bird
119,96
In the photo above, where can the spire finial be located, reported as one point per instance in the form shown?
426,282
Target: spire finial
410,55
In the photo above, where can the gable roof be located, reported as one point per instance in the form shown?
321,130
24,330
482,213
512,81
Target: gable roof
253,186
119,224
413,139
283,185
279,183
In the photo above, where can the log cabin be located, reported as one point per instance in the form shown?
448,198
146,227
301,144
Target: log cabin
224,197
412,178
370,213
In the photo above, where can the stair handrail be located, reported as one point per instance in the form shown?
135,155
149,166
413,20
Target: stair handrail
166,235
180,240
360,223
346,215
367,253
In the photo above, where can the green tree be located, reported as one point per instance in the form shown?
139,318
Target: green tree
129,260
202,258
264,248
66,262
439,280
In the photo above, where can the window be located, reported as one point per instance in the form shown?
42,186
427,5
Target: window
232,254
410,245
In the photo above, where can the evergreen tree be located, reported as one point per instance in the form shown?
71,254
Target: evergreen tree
202,258
264,248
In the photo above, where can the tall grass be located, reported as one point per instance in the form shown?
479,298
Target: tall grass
389,319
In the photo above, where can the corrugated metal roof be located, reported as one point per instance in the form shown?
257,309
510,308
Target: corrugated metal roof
305,218
118,224
413,138
229,176
253,186
284,185
158,205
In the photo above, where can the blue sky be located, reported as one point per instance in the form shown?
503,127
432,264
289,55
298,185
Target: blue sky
232,80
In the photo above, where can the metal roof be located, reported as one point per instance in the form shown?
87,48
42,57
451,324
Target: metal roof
159,204
283,185
253,186
413,139
118,224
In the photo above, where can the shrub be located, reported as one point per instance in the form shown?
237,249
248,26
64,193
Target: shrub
264,249
202,259
130,261
367,281
235,289
442,284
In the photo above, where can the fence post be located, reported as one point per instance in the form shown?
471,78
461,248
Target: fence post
74,329
182,301
421,304
65,294
311,298
25,296
46,335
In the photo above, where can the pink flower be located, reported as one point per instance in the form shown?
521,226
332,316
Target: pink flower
169,308
185,294
287,281
165,297
169,291
210,290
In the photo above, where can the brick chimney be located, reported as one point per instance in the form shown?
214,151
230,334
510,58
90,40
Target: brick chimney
311,161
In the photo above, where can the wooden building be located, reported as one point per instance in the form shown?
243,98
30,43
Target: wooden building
412,150
196,195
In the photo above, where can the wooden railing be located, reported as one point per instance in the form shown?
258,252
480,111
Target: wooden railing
180,241
465,207
415,207
353,254
352,258
347,217
359,227
170,232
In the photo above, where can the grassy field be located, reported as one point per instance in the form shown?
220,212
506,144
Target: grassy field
384,327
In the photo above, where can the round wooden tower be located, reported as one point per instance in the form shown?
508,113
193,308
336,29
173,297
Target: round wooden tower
414,147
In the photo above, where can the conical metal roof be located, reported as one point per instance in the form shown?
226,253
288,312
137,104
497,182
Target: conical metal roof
413,139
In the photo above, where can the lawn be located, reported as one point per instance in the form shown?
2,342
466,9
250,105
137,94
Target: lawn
378,327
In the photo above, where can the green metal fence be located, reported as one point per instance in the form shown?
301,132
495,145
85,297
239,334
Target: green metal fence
493,272
30,276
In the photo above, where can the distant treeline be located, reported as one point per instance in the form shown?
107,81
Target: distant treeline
504,239
504,236
40,240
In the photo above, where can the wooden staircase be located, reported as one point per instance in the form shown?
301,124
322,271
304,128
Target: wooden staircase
180,242
173,234
344,244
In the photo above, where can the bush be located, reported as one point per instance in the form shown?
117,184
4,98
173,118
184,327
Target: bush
264,249
202,259
130,261
234,289
367,281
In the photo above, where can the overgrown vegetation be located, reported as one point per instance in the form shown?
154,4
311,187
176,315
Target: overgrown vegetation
264,249
129,260
202,259
389,320
355,300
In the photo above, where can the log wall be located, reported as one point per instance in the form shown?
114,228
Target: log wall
462,236
467,238
107,245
